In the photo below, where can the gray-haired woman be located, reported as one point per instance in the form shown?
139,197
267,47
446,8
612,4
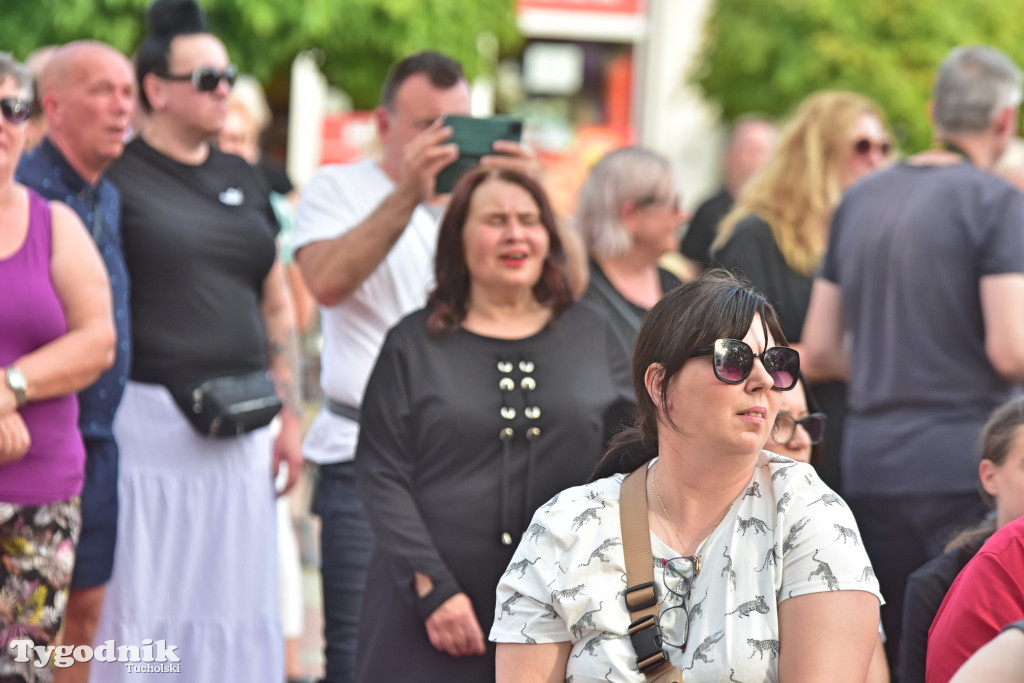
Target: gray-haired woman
629,215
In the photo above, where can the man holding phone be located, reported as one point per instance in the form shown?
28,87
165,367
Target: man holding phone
365,239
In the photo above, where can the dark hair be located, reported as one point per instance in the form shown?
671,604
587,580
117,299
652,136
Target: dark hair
997,439
443,72
447,303
689,318
166,20
818,449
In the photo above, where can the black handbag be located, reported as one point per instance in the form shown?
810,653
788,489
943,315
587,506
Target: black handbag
230,405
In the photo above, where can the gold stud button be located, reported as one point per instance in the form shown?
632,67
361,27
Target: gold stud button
532,412
504,366
529,383
505,434
506,384
526,366
532,433
508,412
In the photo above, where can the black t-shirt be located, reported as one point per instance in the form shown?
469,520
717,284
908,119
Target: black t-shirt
275,176
198,241
703,229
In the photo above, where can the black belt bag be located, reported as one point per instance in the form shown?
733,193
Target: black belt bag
228,406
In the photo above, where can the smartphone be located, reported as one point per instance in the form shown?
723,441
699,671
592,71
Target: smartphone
475,138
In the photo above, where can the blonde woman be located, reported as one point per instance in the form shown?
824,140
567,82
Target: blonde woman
778,230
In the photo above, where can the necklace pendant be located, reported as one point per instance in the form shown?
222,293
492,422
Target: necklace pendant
697,565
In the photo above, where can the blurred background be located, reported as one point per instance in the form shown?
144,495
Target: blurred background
587,75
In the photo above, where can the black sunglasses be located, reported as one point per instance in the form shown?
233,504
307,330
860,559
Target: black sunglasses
785,427
864,147
15,110
734,361
206,78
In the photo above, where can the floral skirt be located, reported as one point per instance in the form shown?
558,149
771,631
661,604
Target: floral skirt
37,554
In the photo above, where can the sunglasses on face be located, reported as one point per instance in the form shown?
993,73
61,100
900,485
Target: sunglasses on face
864,147
734,361
786,424
206,78
15,110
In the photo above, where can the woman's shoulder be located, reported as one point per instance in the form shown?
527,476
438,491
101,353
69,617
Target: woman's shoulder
752,226
411,328
569,510
783,480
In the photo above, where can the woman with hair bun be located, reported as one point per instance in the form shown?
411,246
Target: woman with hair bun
195,565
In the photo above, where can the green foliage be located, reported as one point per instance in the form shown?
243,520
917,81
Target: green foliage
359,39
767,55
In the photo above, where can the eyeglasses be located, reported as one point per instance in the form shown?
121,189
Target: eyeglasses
785,428
655,200
734,361
864,147
15,110
206,78
677,576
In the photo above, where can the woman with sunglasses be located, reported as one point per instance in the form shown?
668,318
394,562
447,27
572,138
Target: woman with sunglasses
776,234
799,427
56,337
195,563
758,567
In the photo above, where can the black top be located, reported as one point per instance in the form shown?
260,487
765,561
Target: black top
274,175
198,241
696,243
752,251
625,315
442,485
926,588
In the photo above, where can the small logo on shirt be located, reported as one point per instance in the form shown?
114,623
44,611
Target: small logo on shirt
232,196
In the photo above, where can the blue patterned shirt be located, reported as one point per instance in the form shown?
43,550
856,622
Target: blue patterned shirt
46,171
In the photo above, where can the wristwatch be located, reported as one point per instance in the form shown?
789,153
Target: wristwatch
17,383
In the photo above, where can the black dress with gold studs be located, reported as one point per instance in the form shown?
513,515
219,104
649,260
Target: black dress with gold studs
462,438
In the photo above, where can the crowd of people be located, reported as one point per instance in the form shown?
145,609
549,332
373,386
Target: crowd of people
543,453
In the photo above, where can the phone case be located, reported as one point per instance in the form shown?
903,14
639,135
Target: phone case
475,138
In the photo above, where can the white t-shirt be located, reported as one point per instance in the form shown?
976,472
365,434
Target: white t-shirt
335,200
787,534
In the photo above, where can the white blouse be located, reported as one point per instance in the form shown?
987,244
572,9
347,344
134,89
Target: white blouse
787,534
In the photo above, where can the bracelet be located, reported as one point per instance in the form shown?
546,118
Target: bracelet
1019,625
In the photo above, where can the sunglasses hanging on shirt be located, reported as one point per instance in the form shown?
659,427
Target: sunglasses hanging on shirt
15,110
206,78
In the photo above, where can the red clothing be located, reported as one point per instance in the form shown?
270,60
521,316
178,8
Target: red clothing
986,596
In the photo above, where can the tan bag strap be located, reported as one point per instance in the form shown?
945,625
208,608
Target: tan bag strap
641,596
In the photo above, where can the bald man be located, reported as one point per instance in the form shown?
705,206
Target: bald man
749,147
87,91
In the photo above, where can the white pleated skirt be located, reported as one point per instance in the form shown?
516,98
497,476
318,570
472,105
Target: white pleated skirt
196,557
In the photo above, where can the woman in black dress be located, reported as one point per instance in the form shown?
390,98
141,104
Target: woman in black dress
497,395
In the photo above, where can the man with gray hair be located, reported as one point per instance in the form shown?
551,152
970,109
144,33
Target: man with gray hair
920,305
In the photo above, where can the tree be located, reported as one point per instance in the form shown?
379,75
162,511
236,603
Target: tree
767,55
358,38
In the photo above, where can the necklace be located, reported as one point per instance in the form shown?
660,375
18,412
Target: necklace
697,563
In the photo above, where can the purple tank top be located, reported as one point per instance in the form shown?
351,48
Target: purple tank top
31,315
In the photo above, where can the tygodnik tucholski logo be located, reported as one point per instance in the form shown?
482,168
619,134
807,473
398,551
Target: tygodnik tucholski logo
152,657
